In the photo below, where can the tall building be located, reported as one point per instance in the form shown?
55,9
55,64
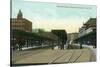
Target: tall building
21,23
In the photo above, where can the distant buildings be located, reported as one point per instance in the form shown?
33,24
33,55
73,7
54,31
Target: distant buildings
71,37
38,30
87,33
21,23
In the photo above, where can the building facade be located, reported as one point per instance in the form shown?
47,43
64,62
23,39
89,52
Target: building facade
71,37
88,27
21,23
87,33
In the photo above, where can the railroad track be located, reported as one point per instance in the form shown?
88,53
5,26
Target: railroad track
73,61
25,55
56,56
52,61
70,60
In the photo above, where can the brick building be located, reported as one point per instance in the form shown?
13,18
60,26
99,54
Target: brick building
21,23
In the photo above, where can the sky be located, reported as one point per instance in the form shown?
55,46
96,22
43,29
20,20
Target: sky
50,16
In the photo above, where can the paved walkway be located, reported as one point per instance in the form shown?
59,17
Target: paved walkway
49,56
